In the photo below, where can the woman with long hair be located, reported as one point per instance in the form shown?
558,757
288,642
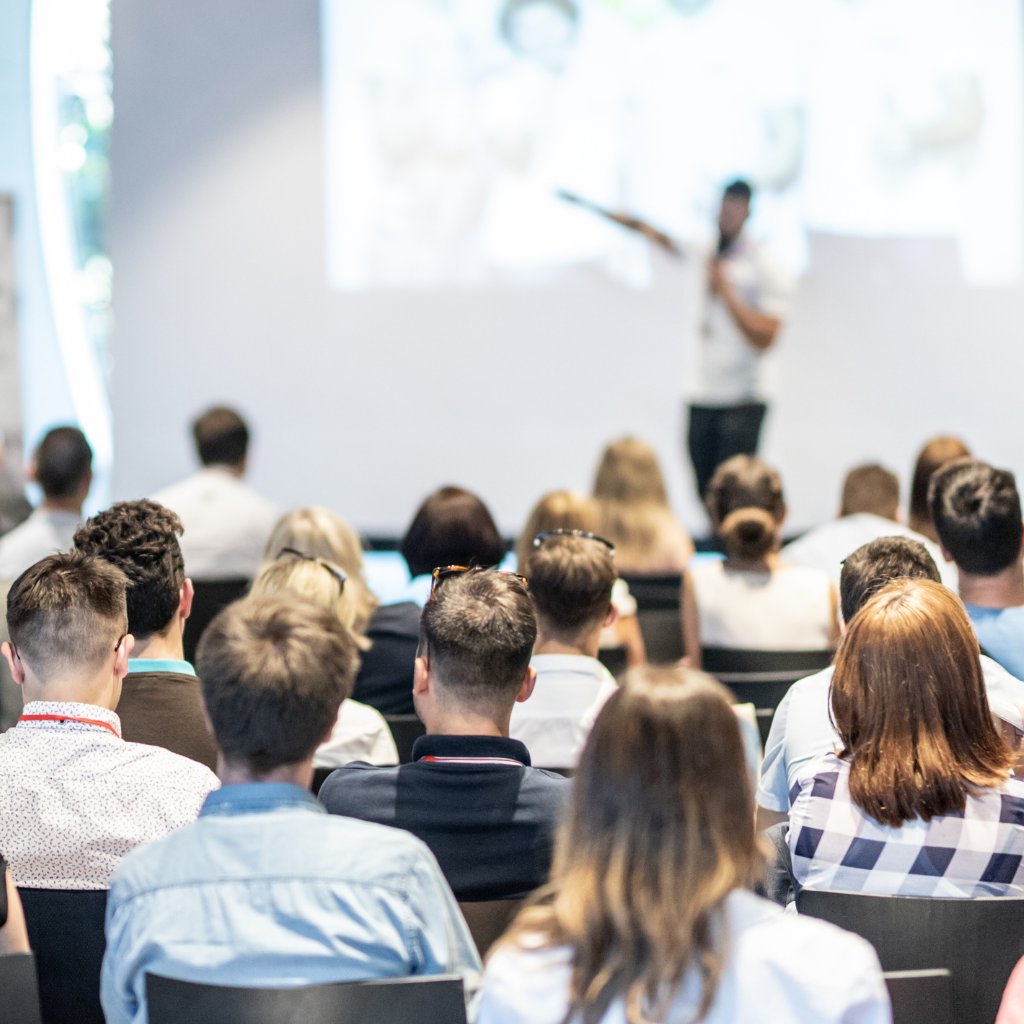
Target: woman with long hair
753,599
919,801
647,917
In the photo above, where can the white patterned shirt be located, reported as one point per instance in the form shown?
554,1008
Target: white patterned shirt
75,797
974,852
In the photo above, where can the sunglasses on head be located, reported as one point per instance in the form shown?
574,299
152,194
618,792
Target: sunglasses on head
548,534
322,562
446,572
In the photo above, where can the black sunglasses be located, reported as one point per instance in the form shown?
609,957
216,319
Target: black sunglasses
322,562
446,572
541,537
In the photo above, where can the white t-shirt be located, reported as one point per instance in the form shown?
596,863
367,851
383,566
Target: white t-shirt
789,609
827,545
780,969
359,734
45,532
227,524
729,369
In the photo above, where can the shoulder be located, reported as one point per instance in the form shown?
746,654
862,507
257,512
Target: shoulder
402,619
707,569
361,716
345,789
174,769
525,982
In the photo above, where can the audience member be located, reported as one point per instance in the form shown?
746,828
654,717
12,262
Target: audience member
934,455
74,796
648,915
977,514
870,506
753,599
920,800
265,889
802,728
568,510
635,515
10,692
161,701
451,527
571,578
14,506
62,466
13,932
360,732
226,523
469,793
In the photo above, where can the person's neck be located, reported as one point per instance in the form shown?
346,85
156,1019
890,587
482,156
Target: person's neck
1003,590
236,469
769,563
238,773
550,642
97,690
71,504
464,722
166,646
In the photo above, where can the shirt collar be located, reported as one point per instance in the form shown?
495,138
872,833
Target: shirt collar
181,668
96,719
479,749
257,798
580,664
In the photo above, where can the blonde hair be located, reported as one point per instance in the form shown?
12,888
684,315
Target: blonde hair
660,830
557,510
319,533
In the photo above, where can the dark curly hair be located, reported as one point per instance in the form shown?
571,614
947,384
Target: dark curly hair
141,539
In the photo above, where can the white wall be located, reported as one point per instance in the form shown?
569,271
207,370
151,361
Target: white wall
367,402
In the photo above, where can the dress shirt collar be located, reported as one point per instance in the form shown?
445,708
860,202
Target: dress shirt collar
471,749
180,668
257,798
70,716
580,664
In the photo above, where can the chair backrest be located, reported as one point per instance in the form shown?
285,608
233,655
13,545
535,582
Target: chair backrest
979,941
437,999
19,991
659,592
488,919
319,778
920,997
210,597
613,659
405,731
662,630
65,931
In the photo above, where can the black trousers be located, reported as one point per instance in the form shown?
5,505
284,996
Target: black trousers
717,433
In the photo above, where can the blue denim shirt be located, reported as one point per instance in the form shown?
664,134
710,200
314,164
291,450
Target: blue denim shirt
267,889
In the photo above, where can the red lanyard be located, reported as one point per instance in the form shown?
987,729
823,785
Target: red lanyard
69,718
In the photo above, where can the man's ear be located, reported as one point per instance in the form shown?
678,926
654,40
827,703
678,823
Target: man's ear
421,678
611,618
14,661
124,651
188,592
529,682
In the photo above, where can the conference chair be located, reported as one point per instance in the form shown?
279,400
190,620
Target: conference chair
762,677
658,614
979,941
405,731
319,778
436,999
210,597
65,931
488,919
613,659
920,997
19,991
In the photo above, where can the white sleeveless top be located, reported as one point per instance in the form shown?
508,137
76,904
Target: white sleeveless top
789,609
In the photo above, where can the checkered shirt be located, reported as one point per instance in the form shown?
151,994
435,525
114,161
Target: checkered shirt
974,852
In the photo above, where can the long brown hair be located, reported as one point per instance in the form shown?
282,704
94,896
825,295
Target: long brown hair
746,506
659,832
934,455
908,702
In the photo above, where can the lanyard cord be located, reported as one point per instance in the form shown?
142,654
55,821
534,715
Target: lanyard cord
69,718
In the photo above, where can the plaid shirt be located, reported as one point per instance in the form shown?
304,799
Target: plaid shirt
835,845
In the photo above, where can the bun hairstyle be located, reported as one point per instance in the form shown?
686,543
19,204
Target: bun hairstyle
744,500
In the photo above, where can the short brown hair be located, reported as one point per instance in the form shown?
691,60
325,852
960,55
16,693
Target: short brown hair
557,510
62,461
938,452
873,489
746,505
909,703
571,580
222,437
478,631
274,671
66,611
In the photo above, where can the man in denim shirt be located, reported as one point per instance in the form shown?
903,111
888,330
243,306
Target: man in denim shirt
266,889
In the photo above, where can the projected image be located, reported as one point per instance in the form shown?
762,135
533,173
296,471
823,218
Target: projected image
453,127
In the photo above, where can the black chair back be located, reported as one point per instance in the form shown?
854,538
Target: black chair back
19,991
65,931
920,997
426,1000
613,659
319,778
405,731
210,597
488,919
658,615
979,941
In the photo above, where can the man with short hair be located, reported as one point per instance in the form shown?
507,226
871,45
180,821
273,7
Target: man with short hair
870,505
265,889
62,466
802,728
161,700
571,579
977,515
226,523
470,793
74,796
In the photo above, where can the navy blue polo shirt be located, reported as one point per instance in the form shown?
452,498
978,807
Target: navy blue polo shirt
487,816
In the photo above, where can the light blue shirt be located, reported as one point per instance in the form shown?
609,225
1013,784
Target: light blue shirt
802,729
1001,632
267,889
